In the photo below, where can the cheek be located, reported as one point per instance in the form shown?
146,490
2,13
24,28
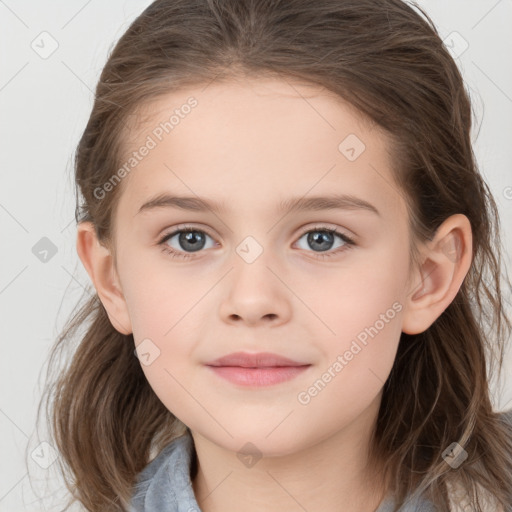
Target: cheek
354,295
358,317
356,360
170,380
359,356
160,297
164,303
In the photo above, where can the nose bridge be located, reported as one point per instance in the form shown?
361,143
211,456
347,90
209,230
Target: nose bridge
253,234
263,243
254,293
252,262
250,249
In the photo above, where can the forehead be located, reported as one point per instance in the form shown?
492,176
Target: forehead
263,140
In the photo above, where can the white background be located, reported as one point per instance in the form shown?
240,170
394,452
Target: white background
44,106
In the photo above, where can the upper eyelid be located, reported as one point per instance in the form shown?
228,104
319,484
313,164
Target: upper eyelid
174,231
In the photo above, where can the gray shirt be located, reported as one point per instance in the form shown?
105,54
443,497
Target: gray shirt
164,485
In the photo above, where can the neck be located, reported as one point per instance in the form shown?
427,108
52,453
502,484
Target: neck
330,474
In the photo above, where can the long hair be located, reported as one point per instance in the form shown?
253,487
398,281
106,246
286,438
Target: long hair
385,57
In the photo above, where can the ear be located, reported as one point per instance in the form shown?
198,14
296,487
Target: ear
99,263
446,261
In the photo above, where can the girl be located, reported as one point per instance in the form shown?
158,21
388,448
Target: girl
297,270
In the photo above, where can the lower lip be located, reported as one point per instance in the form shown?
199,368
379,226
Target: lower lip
258,376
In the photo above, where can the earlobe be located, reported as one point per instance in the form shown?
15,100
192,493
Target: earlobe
98,262
446,261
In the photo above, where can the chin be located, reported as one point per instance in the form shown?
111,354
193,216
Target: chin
257,442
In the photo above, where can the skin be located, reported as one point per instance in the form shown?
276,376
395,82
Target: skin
251,144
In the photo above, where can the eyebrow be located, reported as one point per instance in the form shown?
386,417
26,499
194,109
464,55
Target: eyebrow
295,204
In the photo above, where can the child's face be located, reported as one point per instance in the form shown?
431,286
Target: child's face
256,283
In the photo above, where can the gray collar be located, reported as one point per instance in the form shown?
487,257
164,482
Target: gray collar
165,485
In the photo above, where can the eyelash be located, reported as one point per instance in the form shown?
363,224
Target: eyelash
349,242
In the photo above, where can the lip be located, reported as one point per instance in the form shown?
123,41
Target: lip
258,360
261,369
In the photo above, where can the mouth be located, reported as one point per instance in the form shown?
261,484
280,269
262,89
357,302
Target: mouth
262,369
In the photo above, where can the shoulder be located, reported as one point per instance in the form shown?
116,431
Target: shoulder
176,449
506,416
164,484
413,503
459,498
456,495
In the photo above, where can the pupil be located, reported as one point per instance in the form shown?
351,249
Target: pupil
315,239
194,238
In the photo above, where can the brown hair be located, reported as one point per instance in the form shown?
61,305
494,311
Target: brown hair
386,59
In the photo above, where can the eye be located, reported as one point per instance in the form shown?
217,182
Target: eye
322,238
190,240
